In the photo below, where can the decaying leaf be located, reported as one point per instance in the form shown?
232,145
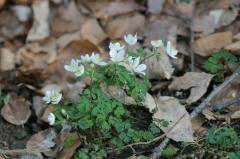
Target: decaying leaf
159,69
42,141
39,105
67,19
207,45
16,111
59,141
234,47
7,59
197,82
92,31
155,6
150,102
66,39
213,20
178,127
69,150
40,28
126,25
165,29
117,8
118,94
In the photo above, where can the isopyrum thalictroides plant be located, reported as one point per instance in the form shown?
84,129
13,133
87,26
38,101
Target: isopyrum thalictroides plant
103,121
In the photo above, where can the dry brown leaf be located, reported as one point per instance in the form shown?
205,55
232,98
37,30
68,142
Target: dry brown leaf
197,82
118,94
93,32
237,36
117,8
165,29
159,69
40,28
207,45
68,151
39,105
7,59
42,141
215,19
197,123
66,39
67,19
59,141
125,25
234,47
155,6
235,115
73,91
208,114
179,126
150,103
16,111
12,28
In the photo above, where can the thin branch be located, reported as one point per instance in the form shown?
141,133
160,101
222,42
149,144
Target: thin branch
199,109
225,104
218,89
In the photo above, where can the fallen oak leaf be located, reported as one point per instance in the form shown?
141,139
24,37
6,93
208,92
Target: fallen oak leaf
150,103
16,111
178,127
197,82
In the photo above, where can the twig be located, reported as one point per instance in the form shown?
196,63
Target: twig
218,89
159,149
199,109
225,104
21,152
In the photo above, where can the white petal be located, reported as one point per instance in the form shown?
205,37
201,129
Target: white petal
51,118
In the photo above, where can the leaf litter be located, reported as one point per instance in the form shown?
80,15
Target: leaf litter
41,36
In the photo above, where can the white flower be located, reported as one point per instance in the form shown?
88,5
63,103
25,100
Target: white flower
136,66
130,39
72,67
171,51
51,118
86,58
117,52
52,96
157,43
79,71
96,59
115,46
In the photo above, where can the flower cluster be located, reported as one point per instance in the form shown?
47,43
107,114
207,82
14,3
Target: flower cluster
170,50
53,97
117,54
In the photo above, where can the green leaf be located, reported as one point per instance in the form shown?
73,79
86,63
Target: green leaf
85,123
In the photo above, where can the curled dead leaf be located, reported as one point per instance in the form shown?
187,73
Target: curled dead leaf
118,94
40,28
206,46
159,69
197,82
117,8
69,150
150,102
42,141
16,111
125,25
7,59
93,32
179,127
